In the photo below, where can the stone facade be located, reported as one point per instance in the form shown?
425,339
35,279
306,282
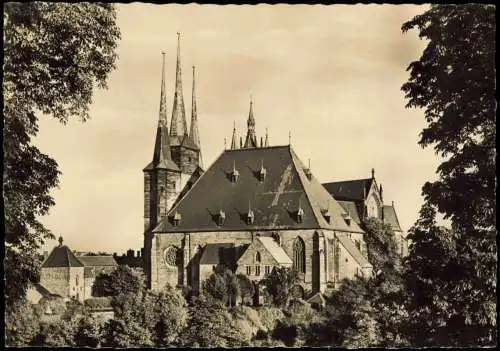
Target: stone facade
321,262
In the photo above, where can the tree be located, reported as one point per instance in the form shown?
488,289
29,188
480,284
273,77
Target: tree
210,325
246,287
123,280
22,324
54,54
134,320
381,245
222,285
172,314
454,82
279,285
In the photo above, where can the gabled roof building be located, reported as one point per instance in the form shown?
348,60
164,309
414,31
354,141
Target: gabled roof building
255,207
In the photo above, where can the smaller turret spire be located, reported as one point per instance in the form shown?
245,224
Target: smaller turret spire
233,140
251,139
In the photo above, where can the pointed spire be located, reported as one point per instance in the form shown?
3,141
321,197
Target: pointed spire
194,134
289,137
178,125
373,173
251,139
60,240
161,156
225,144
233,140
163,96
266,143
241,143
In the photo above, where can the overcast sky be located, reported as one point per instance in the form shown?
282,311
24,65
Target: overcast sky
329,74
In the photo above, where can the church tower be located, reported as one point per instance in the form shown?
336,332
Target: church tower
159,176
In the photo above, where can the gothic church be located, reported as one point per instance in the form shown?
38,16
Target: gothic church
256,207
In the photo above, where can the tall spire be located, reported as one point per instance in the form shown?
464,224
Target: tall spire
193,134
163,97
251,139
178,125
233,141
161,156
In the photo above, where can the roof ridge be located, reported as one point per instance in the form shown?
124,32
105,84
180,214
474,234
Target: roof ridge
257,148
349,180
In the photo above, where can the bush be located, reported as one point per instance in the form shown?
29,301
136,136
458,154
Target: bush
269,317
96,303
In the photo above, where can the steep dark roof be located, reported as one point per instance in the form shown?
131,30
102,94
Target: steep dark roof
220,253
349,189
348,244
350,206
61,256
98,261
391,218
274,201
44,291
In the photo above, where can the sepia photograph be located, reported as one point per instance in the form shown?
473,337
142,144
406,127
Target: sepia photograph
233,176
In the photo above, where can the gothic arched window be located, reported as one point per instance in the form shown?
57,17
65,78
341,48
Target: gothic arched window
257,257
299,255
276,238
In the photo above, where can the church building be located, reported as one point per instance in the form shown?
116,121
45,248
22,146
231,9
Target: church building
256,207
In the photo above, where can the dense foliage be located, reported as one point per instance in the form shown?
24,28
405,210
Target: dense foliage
451,274
280,284
381,245
54,55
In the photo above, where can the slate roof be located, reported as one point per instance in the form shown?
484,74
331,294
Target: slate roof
353,250
274,201
98,261
220,253
391,218
44,291
61,256
349,189
275,250
350,206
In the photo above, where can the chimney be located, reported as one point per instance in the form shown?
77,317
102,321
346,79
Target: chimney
138,254
261,142
130,253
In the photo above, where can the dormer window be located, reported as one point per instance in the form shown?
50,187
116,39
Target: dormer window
234,174
250,217
326,215
221,218
347,218
176,219
262,172
300,215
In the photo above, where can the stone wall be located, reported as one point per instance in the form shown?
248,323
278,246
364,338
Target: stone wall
77,283
184,273
56,280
